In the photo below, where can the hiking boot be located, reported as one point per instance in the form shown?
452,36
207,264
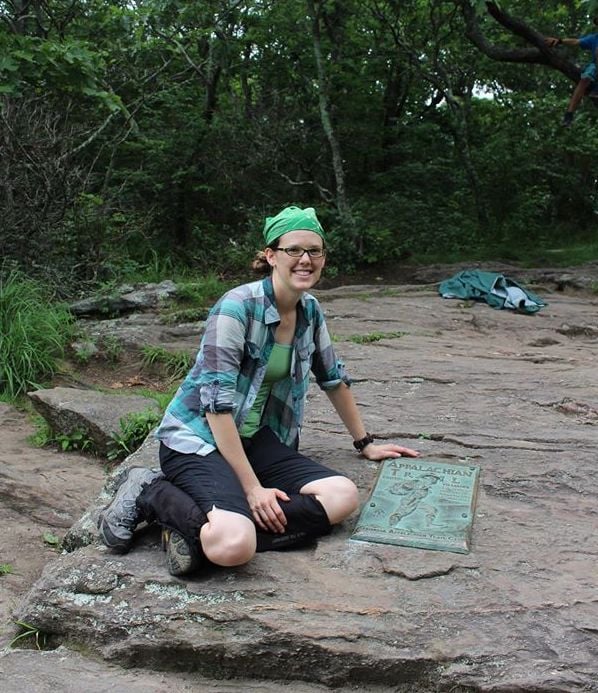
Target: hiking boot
181,557
118,520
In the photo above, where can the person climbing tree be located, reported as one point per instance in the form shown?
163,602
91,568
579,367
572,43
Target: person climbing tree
589,76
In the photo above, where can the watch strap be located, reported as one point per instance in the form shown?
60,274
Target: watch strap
359,445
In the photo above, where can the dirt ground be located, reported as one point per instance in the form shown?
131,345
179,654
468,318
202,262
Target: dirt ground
54,488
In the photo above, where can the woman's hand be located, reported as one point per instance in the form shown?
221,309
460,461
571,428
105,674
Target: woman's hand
381,452
266,510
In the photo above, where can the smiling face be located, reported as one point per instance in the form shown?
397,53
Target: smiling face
295,274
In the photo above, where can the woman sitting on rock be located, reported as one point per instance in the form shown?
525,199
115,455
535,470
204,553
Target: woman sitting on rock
232,480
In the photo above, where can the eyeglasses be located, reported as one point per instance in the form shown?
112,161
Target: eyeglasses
298,251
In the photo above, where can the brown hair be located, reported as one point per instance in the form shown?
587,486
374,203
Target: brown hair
259,264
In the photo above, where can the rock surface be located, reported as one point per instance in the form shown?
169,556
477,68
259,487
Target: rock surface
514,394
96,414
125,299
142,329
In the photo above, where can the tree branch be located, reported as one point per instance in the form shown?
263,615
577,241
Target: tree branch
540,54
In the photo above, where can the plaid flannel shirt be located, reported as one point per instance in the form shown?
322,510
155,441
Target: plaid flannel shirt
231,364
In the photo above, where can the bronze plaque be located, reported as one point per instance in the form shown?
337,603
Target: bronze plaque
424,503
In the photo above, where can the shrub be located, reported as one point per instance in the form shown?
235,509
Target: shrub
33,334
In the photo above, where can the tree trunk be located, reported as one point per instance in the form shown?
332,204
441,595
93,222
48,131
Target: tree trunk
460,130
327,125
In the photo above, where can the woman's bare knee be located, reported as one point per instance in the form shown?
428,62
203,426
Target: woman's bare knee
337,494
232,551
228,539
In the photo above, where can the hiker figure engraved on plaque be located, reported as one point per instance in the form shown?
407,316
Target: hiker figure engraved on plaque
423,503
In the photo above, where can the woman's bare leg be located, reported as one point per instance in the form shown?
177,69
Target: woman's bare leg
337,494
228,538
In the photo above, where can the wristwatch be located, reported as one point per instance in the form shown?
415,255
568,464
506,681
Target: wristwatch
359,445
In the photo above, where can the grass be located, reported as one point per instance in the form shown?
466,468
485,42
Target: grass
176,363
175,317
112,348
574,255
374,337
33,335
67,442
31,632
559,250
134,429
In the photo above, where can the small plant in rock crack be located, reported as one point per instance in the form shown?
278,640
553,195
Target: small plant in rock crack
6,569
29,631
134,429
51,540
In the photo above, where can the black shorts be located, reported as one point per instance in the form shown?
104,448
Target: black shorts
212,482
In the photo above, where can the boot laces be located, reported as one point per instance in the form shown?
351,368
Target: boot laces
129,515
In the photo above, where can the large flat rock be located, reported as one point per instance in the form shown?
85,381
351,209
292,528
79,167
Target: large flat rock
511,393
97,415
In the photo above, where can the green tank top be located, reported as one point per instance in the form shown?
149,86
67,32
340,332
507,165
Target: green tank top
279,368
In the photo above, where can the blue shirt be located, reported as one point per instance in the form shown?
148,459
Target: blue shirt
589,43
231,364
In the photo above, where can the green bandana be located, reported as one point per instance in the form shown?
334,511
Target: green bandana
292,219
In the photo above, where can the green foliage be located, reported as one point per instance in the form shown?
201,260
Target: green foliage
153,138
591,6
134,429
28,631
176,363
51,539
162,398
70,66
33,334
6,569
192,302
74,440
202,293
83,351
112,348
43,436
174,317
374,337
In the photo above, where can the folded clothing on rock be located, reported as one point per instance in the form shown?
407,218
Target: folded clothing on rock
495,289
